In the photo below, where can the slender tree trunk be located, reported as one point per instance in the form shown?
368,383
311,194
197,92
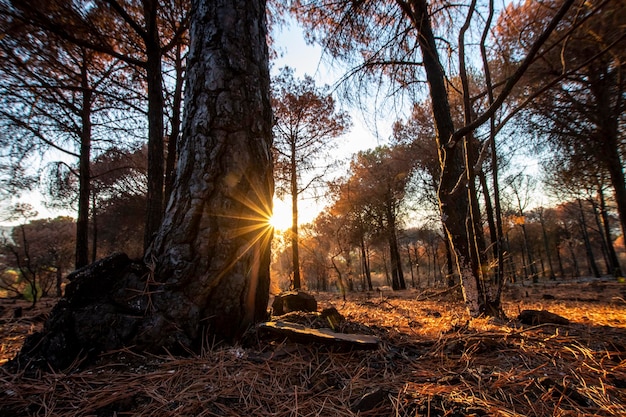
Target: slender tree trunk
172,155
212,251
82,223
386,268
417,267
602,237
609,100
593,267
617,269
511,261
546,245
560,261
154,77
408,254
493,234
342,286
616,171
478,241
397,275
295,250
366,265
94,228
453,201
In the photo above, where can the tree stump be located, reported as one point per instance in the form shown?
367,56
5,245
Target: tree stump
105,307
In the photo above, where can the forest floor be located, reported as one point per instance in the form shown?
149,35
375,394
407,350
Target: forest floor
432,361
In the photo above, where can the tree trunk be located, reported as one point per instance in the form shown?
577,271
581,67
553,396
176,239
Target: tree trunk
616,268
366,265
593,267
82,223
560,260
601,236
154,78
606,89
408,254
453,201
546,245
397,275
172,155
295,250
213,248
94,229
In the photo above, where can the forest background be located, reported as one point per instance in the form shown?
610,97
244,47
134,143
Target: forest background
559,212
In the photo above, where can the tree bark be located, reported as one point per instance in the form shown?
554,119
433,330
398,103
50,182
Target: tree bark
172,145
397,275
593,268
156,169
366,265
212,251
82,223
453,201
615,266
295,250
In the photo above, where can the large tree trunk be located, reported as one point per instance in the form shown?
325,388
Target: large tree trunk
213,248
208,268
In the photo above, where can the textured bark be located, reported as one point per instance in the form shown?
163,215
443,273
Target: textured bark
212,251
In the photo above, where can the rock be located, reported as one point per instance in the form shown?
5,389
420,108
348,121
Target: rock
332,317
290,301
536,317
303,334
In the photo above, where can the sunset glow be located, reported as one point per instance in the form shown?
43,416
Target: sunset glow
281,217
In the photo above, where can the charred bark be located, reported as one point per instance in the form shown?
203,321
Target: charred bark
213,249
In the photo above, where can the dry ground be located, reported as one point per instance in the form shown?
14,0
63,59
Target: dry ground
432,361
